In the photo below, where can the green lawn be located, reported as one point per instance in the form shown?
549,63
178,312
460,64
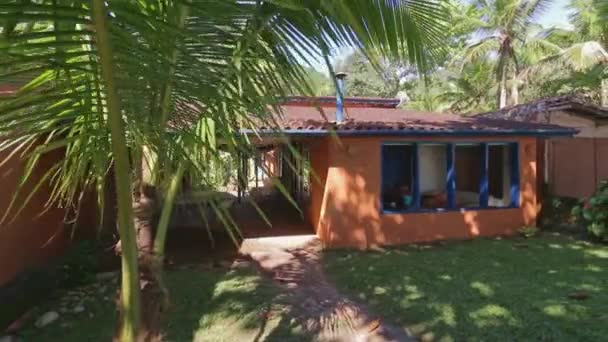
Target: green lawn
208,305
484,290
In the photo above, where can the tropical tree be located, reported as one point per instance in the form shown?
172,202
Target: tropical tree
588,22
320,83
504,28
469,91
579,65
382,78
142,90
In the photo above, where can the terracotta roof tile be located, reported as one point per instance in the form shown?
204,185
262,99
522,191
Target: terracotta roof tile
302,119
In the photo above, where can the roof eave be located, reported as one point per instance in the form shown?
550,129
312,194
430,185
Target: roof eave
391,132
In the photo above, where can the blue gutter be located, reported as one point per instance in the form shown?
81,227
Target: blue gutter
414,133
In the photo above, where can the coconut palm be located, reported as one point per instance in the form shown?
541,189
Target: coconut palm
113,83
504,28
588,22
469,91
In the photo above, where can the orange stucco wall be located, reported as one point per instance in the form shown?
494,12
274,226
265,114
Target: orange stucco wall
348,199
38,233
32,236
319,166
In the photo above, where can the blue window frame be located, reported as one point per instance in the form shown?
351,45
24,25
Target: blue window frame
449,176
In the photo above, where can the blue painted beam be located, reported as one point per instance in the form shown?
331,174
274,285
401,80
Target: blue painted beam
451,176
515,179
483,182
416,176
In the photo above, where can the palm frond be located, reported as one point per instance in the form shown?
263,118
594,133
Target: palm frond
480,50
226,63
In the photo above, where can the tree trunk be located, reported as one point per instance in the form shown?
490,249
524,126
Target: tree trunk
153,296
129,302
502,89
604,92
514,91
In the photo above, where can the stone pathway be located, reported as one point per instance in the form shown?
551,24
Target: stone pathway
294,263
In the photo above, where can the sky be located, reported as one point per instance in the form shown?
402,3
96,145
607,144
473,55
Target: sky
556,15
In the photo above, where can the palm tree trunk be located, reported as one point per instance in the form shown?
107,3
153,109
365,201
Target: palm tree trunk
514,91
145,208
604,92
502,88
130,293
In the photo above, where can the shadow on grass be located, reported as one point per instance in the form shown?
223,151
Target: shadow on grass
207,305
488,289
239,306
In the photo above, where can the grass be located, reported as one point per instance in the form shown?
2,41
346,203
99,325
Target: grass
208,305
484,290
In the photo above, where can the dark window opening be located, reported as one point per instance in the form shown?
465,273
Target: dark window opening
468,165
499,175
398,177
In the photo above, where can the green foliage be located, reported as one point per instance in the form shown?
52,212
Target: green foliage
594,212
321,84
528,231
366,79
587,20
492,38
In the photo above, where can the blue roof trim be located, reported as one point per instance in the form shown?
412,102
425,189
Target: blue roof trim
417,133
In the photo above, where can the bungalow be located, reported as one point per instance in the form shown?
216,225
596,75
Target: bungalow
380,175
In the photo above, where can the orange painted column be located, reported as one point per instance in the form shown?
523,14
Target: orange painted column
271,162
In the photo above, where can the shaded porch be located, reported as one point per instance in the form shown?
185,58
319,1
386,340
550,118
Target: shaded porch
269,197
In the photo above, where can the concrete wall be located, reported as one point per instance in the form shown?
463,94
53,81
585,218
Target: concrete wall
349,213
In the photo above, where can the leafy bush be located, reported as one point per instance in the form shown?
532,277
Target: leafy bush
556,213
594,212
528,231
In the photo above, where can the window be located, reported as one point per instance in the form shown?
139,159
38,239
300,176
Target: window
468,167
439,176
398,176
502,168
433,180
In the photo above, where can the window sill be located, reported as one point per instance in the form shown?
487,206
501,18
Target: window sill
441,210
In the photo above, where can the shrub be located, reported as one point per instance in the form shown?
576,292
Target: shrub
528,231
594,212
